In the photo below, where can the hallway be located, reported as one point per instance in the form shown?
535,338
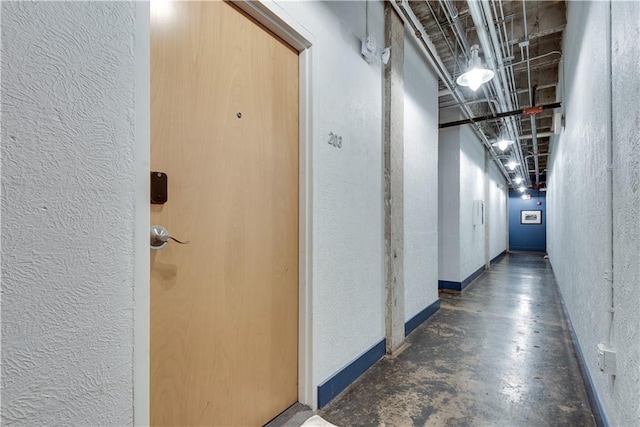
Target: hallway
499,353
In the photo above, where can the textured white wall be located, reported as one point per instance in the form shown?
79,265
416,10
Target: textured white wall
626,208
420,182
348,315
472,178
577,225
449,202
68,179
498,217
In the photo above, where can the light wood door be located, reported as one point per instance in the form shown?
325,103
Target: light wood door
224,308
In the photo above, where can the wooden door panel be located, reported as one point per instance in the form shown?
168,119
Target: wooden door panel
224,127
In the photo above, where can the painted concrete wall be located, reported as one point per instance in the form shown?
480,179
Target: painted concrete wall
449,203
527,237
420,182
348,292
472,181
68,182
461,180
497,211
579,196
626,206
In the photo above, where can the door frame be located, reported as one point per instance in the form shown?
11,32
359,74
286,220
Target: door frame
273,17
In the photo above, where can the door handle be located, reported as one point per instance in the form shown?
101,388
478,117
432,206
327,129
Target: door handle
160,236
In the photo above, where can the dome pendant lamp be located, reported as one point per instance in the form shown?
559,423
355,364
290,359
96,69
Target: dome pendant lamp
476,74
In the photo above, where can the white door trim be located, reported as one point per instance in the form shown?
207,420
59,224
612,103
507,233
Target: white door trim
278,21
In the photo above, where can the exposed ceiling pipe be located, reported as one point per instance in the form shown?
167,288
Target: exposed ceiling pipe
505,79
541,87
537,155
503,46
511,81
534,125
554,52
431,54
506,114
475,9
540,135
475,101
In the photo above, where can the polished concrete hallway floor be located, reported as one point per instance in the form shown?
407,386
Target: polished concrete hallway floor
497,354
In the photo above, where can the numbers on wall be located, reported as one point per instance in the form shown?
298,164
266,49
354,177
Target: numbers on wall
335,140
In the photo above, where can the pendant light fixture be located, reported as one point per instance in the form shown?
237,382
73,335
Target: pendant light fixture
502,143
476,74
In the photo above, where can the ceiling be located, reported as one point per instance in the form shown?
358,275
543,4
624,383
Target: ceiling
522,42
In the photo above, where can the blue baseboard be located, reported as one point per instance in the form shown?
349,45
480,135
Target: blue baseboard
527,248
458,286
343,378
417,320
446,284
473,277
596,406
498,257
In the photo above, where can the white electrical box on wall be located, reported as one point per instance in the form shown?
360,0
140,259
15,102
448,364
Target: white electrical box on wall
606,359
478,212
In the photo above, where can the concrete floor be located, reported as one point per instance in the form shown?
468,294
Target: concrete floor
497,354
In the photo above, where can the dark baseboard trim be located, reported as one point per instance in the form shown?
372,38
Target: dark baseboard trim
417,320
459,286
592,395
446,284
498,257
473,277
343,378
518,248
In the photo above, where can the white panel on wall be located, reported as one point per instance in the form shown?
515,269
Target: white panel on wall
478,213
68,182
420,182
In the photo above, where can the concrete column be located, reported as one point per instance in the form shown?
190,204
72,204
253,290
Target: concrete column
393,179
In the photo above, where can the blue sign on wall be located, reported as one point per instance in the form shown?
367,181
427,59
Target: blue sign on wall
524,232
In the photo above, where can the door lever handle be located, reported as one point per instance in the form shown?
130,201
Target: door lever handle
159,237
186,242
